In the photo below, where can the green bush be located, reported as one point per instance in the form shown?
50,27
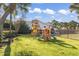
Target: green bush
23,28
7,26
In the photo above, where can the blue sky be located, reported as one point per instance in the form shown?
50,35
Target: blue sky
50,11
47,12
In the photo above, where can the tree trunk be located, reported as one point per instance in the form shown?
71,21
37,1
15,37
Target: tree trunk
10,23
1,28
2,21
11,7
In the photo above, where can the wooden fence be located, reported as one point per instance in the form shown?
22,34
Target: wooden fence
70,31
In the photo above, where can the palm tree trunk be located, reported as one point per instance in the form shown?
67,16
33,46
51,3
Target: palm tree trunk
10,23
1,28
2,20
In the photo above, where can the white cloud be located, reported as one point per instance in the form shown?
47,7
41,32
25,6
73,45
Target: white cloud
37,17
53,16
49,11
46,11
35,10
73,12
63,11
30,11
71,15
18,16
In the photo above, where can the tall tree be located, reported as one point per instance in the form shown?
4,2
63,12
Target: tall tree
56,24
7,11
10,9
72,24
75,7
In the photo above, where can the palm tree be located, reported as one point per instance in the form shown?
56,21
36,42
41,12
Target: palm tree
12,8
75,7
7,11
72,25
10,22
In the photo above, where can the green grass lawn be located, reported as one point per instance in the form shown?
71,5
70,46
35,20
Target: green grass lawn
26,45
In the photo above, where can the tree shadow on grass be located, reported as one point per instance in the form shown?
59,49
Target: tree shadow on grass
7,50
61,43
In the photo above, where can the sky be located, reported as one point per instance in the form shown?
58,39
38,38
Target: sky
47,12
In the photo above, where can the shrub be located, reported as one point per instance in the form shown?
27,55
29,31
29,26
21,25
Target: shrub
9,34
23,28
7,26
